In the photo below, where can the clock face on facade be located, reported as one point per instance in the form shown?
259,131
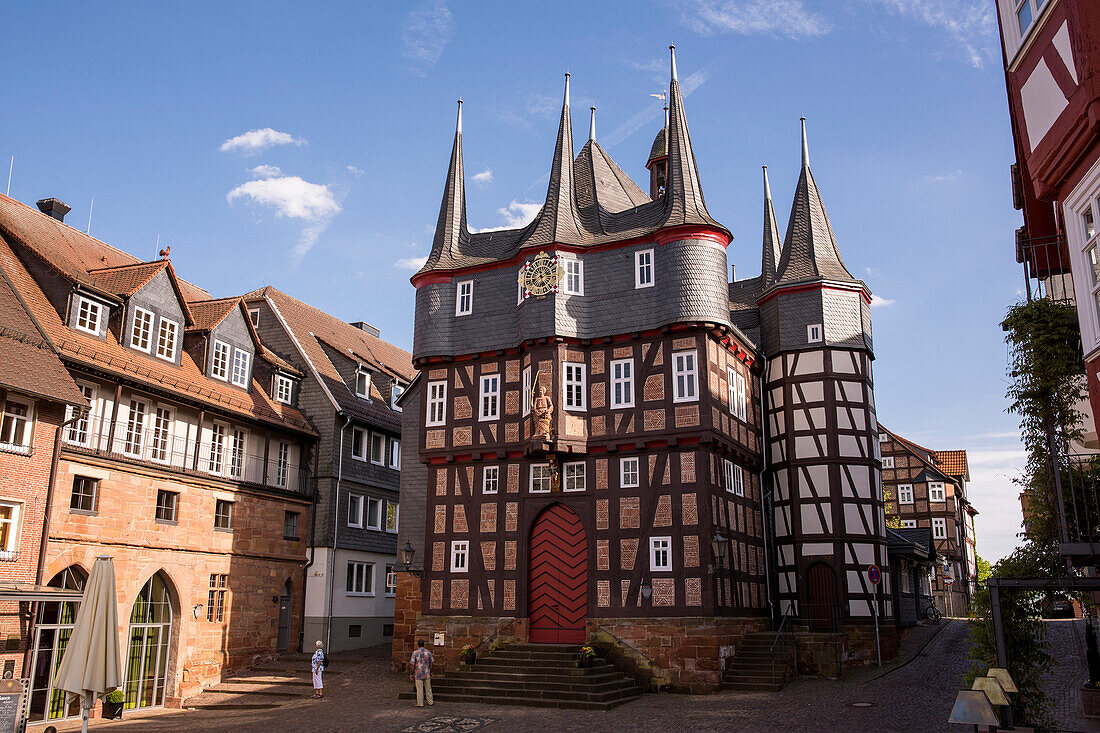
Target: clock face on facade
541,276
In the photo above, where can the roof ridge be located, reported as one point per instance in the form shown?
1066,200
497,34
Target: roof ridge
145,263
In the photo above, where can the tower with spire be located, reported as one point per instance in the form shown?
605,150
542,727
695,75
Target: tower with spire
590,413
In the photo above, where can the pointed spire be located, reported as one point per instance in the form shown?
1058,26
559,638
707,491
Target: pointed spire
592,124
559,221
810,250
683,195
450,229
769,264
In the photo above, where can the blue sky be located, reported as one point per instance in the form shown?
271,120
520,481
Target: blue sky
305,146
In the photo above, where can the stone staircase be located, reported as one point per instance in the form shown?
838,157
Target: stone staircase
536,675
267,685
756,668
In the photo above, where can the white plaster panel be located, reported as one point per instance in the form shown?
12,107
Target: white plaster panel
811,522
862,482
806,447
809,362
816,549
819,475
817,416
801,421
859,608
1061,43
852,523
842,362
853,391
813,391
846,490
779,423
842,420
854,584
1043,101
860,418
777,451
865,554
786,554
777,397
848,446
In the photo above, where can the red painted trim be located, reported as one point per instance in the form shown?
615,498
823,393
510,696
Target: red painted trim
816,286
661,237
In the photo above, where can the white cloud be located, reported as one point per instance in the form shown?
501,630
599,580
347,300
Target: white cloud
515,215
410,263
948,177
426,32
357,172
255,141
543,105
971,24
265,171
788,18
292,198
877,301
486,176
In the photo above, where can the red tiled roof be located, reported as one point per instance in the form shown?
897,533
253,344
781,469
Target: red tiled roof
312,327
125,280
186,381
953,463
207,314
67,250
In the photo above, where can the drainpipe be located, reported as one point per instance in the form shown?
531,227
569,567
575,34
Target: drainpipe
50,485
335,529
312,550
764,496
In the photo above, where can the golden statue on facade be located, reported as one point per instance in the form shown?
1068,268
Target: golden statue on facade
542,407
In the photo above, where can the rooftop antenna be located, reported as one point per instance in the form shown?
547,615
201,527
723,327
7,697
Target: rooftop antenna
157,245
10,166
90,207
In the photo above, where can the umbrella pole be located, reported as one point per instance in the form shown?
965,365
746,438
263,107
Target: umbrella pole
84,711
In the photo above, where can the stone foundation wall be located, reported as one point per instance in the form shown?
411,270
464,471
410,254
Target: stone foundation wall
827,654
861,643
686,654
406,613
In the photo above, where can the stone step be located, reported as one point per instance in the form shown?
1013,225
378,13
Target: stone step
526,654
573,648
239,688
542,702
503,662
519,688
221,701
535,676
739,663
753,686
293,671
285,681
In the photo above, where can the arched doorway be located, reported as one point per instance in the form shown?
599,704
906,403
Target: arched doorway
285,604
821,611
150,640
557,581
52,629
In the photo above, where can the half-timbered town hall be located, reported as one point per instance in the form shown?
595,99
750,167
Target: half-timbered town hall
609,441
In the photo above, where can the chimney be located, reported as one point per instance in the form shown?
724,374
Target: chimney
364,326
54,207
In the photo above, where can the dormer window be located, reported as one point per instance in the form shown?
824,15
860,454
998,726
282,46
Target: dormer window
141,333
362,383
284,389
166,339
219,365
643,269
398,390
464,302
88,315
242,360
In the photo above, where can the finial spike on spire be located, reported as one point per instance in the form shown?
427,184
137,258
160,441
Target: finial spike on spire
666,115
767,186
566,101
592,125
805,147
458,125
672,50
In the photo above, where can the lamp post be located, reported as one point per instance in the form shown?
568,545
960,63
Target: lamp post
407,553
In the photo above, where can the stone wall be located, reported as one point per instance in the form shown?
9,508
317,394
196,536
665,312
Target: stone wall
687,654
827,654
458,631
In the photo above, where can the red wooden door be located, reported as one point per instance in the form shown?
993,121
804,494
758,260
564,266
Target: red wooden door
557,590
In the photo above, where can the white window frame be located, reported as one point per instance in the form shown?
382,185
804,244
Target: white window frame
355,518
574,476
8,442
237,447
883,437
622,375
937,491
395,394
223,353
525,396
284,389
372,518
464,298
242,368
735,477
254,316
1082,199
905,493
145,332
689,375
378,457
219,435
814,333
364,445
548,478
396,516
86,424
908,524
644,269
89,311
488,401
10,550
437,401
736,386
129,446
490,479
391,582
282,464
366,374
628,466
939,528
574,276
460,556
395,454
160,439
573,389
172,329
362,585
660,554
887,461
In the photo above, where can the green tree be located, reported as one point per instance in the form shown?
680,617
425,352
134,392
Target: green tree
984,569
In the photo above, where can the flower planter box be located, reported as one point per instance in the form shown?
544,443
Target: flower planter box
1090,702
112,710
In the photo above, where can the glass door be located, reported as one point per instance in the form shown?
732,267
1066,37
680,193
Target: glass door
150,640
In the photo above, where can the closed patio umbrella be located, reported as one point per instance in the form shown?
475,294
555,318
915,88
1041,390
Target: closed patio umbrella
90,667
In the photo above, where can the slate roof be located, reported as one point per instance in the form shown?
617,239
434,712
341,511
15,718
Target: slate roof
314,329
744,313
810,250
569,214
69,251
769,258
108,356
28,360
906,541
659,148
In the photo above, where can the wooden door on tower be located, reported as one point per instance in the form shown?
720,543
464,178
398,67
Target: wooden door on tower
821,608
557,590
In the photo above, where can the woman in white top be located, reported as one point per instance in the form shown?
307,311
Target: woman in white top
317,667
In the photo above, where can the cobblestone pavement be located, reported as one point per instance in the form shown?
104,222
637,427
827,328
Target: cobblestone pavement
1063,683
915,696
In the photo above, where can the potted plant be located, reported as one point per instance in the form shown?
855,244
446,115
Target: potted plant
1090,693
468,654
112,704
587,656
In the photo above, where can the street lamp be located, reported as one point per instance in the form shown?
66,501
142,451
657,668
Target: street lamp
407,553
647,590
972,707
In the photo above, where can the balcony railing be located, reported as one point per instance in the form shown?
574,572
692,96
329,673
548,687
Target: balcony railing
1079,514
231,454
1046,266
